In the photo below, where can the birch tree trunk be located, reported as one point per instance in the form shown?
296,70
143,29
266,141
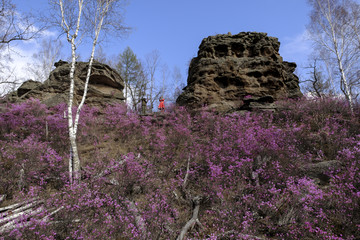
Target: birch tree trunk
88,18
339,54
73,122
344,80
74,160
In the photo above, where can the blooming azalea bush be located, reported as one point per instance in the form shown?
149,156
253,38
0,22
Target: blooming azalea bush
141,174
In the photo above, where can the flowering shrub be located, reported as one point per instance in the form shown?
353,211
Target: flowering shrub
256,174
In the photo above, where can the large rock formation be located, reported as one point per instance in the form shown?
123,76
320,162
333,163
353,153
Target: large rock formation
105,86
242,71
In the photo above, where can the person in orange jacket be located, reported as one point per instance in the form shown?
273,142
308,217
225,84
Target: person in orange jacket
161,105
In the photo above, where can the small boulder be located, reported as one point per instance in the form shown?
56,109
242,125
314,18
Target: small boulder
320,171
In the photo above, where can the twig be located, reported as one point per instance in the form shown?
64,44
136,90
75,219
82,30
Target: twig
193,221
2,197
21,183
109,170
46,130
46,218
187,174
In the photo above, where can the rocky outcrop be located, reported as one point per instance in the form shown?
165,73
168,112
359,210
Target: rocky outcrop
236,72
26,87
105,86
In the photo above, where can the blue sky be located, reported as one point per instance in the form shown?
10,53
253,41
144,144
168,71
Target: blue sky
176,27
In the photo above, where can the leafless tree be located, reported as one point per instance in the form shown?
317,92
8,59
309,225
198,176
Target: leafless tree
8,82
43,61
317,84
100,55
354,14
138,88
14,26
79,19
332,30
152,63
177,82
164,78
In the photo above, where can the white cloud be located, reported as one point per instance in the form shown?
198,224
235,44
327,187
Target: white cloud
49,34
14,69
296,49
21,55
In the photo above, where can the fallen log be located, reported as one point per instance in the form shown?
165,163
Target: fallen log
17,212
13,206
18,224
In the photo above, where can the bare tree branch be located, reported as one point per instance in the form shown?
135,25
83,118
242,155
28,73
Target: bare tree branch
332,30
193,221
16,26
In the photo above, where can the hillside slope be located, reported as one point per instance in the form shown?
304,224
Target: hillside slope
292,174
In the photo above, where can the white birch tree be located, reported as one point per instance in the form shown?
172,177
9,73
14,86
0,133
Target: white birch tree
80,19
332,30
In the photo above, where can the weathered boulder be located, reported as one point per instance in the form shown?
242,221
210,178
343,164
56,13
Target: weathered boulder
105,86
242,71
